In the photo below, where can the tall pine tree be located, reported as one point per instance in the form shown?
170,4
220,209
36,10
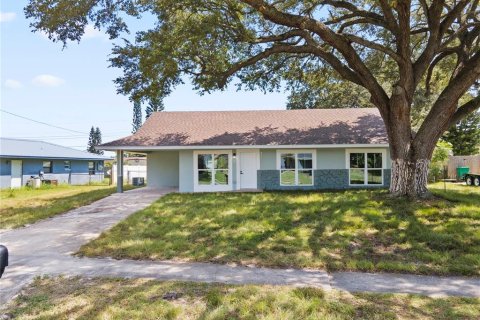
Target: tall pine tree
465,135
94,139
137,116
154,106
98,140
91,141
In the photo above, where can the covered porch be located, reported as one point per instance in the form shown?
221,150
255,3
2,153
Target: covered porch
198,170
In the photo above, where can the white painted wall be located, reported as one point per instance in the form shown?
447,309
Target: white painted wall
5,181
130,172
75,179
185,171
163,169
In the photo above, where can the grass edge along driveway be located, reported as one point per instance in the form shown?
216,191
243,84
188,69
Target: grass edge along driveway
363,230
19,207
107,298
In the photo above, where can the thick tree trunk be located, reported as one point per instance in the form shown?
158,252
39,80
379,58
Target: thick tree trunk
409,177
410,158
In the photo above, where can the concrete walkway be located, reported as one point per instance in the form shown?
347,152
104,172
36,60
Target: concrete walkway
46,248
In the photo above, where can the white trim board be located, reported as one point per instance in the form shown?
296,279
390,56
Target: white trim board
212,188
372,150
296,152
230,147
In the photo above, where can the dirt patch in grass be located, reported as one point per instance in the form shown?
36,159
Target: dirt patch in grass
102,298
351,230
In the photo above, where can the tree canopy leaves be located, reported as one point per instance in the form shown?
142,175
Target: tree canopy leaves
465,136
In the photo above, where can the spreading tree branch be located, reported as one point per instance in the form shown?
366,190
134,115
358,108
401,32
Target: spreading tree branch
464,110
269,12
444,108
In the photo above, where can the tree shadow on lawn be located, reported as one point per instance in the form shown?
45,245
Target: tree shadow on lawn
397,235
350,230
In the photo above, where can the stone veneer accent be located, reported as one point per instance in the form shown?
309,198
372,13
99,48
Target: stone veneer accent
328,179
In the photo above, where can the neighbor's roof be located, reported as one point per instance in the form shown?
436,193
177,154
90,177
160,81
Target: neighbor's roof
20,148
256,128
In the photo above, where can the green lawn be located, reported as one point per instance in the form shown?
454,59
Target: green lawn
352,230
81,298
26,205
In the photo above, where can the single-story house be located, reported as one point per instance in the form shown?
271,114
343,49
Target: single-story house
267,150
20,159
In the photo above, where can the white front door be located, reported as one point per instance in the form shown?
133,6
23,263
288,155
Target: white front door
16,181
248,170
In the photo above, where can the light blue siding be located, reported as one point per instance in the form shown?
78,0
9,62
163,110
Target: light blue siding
163,169
34,166
5,168
331,158
186,171
268,160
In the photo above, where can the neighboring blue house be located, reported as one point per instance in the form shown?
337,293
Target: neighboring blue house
267,150
20,159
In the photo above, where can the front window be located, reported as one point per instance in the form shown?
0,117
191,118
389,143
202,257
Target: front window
66,165
366,168
212,169
91,167
296,169
47,166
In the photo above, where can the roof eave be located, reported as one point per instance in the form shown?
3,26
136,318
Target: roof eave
214,147
55,158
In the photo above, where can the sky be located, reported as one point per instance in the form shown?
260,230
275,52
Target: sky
73,88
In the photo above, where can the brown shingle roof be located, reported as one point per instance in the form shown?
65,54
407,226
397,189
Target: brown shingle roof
262,127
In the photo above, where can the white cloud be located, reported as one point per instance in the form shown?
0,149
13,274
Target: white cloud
47,80
7,16
13,84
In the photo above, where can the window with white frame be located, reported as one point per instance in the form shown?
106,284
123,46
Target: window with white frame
296,168
212,169
66,165
366,168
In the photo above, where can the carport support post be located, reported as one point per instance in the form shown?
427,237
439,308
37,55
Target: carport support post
119,171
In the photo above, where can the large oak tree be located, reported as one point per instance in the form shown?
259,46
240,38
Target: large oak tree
389,48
